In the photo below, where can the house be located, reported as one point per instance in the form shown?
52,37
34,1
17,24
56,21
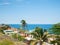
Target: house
10,32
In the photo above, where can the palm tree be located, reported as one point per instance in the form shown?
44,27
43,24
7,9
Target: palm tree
40,35
23,24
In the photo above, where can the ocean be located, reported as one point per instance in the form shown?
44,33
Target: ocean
32,26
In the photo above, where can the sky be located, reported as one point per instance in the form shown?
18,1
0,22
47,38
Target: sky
32,11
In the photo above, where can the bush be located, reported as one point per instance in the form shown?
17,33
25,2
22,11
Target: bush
20,38
17,36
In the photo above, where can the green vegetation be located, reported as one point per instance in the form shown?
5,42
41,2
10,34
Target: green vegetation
18,37
39,35
15,36
6,42
23,23
4,27
55,29
58,40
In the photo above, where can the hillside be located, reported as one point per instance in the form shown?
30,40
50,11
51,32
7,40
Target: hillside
6,40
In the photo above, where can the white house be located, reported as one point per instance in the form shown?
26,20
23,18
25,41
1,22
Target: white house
29,37
10,32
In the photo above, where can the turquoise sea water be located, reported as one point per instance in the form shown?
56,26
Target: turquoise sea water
32,26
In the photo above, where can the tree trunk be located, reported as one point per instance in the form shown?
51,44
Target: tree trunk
41,42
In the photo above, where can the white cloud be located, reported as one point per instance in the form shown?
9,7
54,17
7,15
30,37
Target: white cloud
4,3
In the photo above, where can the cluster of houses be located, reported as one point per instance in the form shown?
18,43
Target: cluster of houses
27,36
11,31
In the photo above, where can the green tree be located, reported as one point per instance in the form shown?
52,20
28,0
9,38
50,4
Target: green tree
55,29
23,23
39,34
4,27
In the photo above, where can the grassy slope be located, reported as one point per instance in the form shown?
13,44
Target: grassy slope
6,40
